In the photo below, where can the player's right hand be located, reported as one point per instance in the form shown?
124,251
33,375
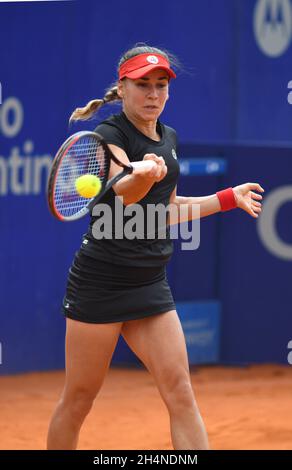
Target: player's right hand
159,171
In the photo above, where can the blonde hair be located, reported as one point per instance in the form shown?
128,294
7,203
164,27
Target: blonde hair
111,94
82,114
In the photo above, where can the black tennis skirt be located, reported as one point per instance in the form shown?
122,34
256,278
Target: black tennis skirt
100,292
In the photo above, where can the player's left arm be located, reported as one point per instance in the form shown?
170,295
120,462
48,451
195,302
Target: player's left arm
245,197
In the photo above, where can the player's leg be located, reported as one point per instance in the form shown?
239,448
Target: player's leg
159,343
89,349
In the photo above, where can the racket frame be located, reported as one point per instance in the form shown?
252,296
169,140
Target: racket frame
106,184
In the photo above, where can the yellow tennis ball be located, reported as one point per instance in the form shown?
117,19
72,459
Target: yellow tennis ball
88,185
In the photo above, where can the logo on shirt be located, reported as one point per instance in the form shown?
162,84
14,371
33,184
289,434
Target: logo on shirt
152,59
174,154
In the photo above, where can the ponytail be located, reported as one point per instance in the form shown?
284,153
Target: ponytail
82,114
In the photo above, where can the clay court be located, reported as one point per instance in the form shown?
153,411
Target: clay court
243,408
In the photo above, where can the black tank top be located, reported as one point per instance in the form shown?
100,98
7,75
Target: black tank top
145,251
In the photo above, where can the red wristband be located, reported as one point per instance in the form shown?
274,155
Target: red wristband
227,199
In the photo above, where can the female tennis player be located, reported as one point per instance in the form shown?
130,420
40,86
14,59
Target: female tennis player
118,285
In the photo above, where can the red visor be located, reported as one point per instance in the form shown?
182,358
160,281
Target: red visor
140,65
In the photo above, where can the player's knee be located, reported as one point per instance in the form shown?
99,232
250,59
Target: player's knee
79,404
179,394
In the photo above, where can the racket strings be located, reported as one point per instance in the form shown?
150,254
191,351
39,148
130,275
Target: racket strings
86,156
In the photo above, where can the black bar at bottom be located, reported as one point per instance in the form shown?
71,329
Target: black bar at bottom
130,458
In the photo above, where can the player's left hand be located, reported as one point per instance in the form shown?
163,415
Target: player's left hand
247,199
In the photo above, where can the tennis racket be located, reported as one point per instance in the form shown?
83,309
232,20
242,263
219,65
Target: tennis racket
82,153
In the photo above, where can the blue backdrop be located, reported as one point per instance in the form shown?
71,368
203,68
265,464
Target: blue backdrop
229,101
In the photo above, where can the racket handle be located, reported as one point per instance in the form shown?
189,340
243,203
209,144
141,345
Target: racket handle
140,167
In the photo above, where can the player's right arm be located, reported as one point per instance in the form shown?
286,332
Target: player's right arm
134,187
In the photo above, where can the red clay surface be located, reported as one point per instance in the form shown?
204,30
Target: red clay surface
243,408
